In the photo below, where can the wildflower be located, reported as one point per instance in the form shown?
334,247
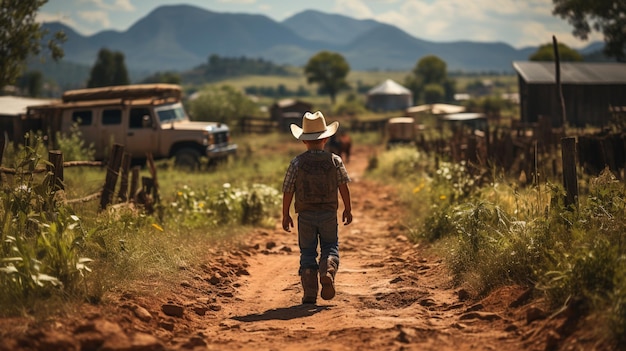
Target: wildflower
442,197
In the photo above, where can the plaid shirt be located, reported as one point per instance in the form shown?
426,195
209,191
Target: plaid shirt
289,184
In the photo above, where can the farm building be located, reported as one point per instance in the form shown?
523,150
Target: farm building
434,109
13,121
591,92
287,111
389,96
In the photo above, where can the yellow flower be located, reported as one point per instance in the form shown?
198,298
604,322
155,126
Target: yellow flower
442,197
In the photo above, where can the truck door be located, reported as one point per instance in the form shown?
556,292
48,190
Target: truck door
141,136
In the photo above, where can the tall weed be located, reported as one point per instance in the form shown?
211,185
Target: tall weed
41,239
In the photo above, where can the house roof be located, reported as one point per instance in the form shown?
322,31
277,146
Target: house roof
389,87
289,102
436,109
572,72
16,105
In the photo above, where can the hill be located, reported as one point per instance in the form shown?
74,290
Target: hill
162,42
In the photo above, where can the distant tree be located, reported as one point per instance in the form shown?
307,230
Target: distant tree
433,93
430,71
352,106
221,104
108,70
21,36
329,71
120,75
546,53
606,16
163,77
218,67
32,82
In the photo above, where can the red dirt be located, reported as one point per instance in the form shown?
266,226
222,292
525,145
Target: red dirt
391,295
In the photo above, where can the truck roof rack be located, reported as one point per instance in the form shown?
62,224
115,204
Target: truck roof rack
124,92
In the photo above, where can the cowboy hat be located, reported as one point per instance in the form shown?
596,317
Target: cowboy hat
314,127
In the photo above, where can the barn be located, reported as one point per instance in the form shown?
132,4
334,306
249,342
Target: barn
389,96
591,91
288,111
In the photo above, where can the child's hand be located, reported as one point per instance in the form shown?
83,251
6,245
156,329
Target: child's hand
287,223
347,217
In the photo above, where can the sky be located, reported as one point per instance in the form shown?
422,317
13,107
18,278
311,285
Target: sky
519,23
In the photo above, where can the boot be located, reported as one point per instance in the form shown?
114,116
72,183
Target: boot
309,285
328,269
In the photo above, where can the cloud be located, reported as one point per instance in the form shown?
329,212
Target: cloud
99,17
520,23
237,2
353,8
115,5
49,17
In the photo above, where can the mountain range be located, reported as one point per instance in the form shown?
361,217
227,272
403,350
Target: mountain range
180,37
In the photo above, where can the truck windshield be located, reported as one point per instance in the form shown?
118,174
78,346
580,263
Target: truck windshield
171,113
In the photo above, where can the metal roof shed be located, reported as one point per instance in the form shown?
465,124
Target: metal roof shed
590,90
389,96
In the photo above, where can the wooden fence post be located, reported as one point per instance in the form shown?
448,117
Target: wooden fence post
111,178
3,142
56,167
122,194
570,178
134,182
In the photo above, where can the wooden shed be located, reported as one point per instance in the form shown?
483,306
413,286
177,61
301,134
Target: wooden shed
590,90
287,111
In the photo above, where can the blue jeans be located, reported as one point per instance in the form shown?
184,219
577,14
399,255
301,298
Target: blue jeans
314,227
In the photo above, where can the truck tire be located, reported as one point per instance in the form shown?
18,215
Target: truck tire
187,158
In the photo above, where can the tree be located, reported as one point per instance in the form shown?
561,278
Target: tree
163,77
606,16
433,93
108,70
430,71
32,82
223,104
21,37
546,53
329,70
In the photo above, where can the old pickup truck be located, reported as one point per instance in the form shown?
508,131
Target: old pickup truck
145,118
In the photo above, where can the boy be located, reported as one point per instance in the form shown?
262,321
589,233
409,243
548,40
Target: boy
314,177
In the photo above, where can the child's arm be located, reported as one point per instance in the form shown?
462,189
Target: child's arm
287,221
345,196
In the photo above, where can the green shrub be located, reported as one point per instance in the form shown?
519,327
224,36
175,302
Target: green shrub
74,147
41,238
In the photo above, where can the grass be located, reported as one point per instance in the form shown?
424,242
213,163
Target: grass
72,252
494,233
491,231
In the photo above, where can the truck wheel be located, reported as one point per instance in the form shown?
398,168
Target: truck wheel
187,159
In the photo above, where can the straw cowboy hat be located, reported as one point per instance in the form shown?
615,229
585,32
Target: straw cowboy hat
314,127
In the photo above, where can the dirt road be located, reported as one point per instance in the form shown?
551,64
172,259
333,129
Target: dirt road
391,295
